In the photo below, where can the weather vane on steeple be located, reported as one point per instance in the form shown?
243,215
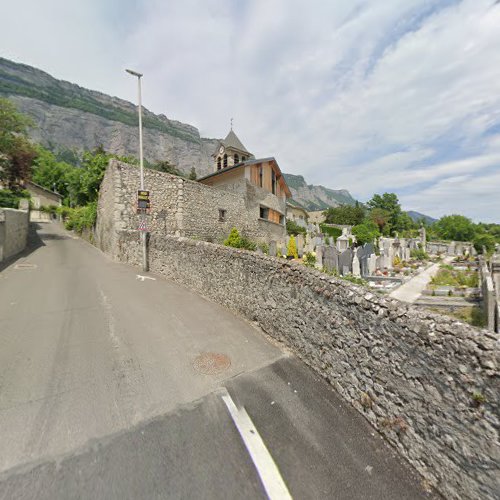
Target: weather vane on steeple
231,124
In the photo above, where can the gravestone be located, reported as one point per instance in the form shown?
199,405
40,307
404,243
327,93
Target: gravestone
272,248
372,264
318,240
356,268
345,262
362,254
331,259
343,241
300,244
319,256
309,245
380,262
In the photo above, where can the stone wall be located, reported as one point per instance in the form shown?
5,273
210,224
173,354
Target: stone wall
179,207
429,383
489,302
14,226
458,248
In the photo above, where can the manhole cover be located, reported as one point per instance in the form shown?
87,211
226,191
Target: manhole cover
25,265
212,363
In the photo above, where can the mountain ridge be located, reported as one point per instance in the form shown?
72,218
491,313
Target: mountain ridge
70,117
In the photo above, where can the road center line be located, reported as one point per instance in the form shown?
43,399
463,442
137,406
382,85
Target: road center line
266,467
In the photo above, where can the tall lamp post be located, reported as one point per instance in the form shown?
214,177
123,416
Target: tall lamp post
141,162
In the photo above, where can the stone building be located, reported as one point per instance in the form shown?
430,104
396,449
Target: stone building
41,197
230,151
296,213
259,182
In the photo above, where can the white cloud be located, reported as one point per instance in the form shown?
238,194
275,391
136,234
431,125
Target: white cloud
369,96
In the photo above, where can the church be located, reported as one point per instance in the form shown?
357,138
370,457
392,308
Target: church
258,180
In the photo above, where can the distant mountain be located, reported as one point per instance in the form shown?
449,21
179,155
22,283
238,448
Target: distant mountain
69,117
316,197
417,216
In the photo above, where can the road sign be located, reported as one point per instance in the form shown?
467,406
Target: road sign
143,200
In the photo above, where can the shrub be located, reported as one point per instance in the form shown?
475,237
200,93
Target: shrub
396,261
248,244
293,229
419,254
334,232
235,240
10,199
309,259
484,242
81,218
264,247
292,248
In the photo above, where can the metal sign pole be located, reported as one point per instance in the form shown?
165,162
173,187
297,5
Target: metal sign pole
142,216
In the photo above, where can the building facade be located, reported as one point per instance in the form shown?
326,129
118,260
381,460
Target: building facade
259,181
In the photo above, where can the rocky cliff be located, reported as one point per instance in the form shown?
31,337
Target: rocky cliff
70,117
67,116
316,197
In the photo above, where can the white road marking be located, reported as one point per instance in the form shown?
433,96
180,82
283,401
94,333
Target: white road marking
266,467
142,278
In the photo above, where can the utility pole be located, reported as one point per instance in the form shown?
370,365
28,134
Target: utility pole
142,225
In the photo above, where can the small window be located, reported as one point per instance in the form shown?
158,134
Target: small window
219,163
236,159
260,176
225,161
282,220
264,213
243,158
222,215
273,184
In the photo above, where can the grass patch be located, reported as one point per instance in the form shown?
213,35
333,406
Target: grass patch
472,315
447,276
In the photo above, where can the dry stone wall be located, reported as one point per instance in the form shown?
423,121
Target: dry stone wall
428,383
179,207
14,226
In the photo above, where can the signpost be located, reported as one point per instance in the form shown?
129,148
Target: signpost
143,201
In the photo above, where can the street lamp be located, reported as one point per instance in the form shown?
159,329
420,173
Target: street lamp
141,162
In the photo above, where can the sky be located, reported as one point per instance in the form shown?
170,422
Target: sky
371,96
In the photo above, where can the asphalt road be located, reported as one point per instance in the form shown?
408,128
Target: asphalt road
101,395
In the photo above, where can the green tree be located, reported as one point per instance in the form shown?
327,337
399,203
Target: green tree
367,232
390,203
51,173
486,241
455,227
380,217
16,151
292,248
345,214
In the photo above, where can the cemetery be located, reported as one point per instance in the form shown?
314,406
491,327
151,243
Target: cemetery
383,266
460,288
